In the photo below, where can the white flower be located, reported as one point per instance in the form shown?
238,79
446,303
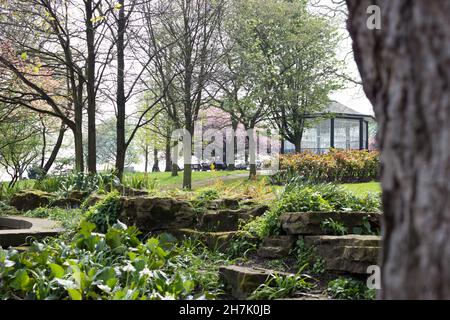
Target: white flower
145,272
117,271
105,288
128,268
9,263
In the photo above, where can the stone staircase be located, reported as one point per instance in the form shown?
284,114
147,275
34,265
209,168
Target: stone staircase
219,224
220,221
242,281
350,253
276,247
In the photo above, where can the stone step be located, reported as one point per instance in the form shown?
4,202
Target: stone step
349,254
18,230
213,240
310,223
228,219
280,241
242,281
276,247
225,203
150,214
272,252
223,220
347,240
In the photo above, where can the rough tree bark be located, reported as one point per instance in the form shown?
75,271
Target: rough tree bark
55,151
121,102
91,94
155,160
146,156
168,156
405,68
78,130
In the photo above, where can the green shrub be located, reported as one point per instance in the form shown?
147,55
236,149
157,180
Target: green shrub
203,197
300,197
348,288
308,259
140,181
51,184
207,194
116,266
329,226
105,212
343,166
6,209
7,191
282,286
241,245
78,181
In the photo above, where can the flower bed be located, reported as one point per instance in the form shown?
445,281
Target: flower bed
343,166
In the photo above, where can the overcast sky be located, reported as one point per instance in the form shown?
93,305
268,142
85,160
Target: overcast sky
353,96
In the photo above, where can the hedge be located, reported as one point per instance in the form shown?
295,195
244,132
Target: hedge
343,166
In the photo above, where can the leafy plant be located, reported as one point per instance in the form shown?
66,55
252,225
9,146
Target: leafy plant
116,265
300,197
242,245
79,181
105,212
140,181
365,229
7,191
308,259
329,226
282,286
348,288
204,196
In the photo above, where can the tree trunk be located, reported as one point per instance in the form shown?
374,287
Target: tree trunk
298,145
55,151
146,158
252,175
298,137
406,75
252,150
168,156
121,143
187,176
90,70
174,170
232,166
155,161
78,131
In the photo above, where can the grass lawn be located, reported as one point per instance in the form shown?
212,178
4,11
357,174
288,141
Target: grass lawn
166,181
361,189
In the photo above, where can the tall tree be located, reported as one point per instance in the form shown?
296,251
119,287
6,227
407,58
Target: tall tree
19,146
404,68
284,60
135,59
190,29
91,7
55,37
